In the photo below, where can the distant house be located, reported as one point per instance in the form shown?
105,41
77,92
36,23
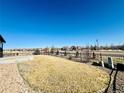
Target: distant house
1,45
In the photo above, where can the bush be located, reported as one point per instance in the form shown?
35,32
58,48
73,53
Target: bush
77,54
57,53
36,52
65,53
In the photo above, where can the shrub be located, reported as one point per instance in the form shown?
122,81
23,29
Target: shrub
36,52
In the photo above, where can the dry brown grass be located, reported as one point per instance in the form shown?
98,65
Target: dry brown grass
57,75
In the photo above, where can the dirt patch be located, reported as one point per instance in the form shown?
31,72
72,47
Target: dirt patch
116,82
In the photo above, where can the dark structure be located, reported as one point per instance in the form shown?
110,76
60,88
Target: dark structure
120,67
1,45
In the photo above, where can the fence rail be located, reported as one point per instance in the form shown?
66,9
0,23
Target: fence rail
81,56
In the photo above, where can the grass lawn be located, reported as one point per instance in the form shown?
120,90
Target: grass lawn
57,75
118,60
115,60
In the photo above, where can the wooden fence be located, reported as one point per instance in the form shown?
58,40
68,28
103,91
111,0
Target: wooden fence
88,56
80,56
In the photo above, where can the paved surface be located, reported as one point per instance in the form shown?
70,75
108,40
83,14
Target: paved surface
17,59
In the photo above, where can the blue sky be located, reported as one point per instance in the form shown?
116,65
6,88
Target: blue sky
45,23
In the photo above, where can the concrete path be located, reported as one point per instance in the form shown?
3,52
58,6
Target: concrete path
17,59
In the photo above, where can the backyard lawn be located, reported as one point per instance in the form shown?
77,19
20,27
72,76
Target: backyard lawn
57,75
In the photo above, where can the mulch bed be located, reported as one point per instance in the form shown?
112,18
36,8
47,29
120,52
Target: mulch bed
116,81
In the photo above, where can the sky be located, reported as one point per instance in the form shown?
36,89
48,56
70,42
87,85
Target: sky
46,23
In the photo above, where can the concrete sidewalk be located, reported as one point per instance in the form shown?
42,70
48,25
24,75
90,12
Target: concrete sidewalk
17,59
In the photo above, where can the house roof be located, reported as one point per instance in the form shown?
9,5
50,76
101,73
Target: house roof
2,39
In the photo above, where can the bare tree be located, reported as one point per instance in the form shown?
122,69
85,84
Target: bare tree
87,55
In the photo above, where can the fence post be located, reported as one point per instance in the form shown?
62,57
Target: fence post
102,62
110,62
